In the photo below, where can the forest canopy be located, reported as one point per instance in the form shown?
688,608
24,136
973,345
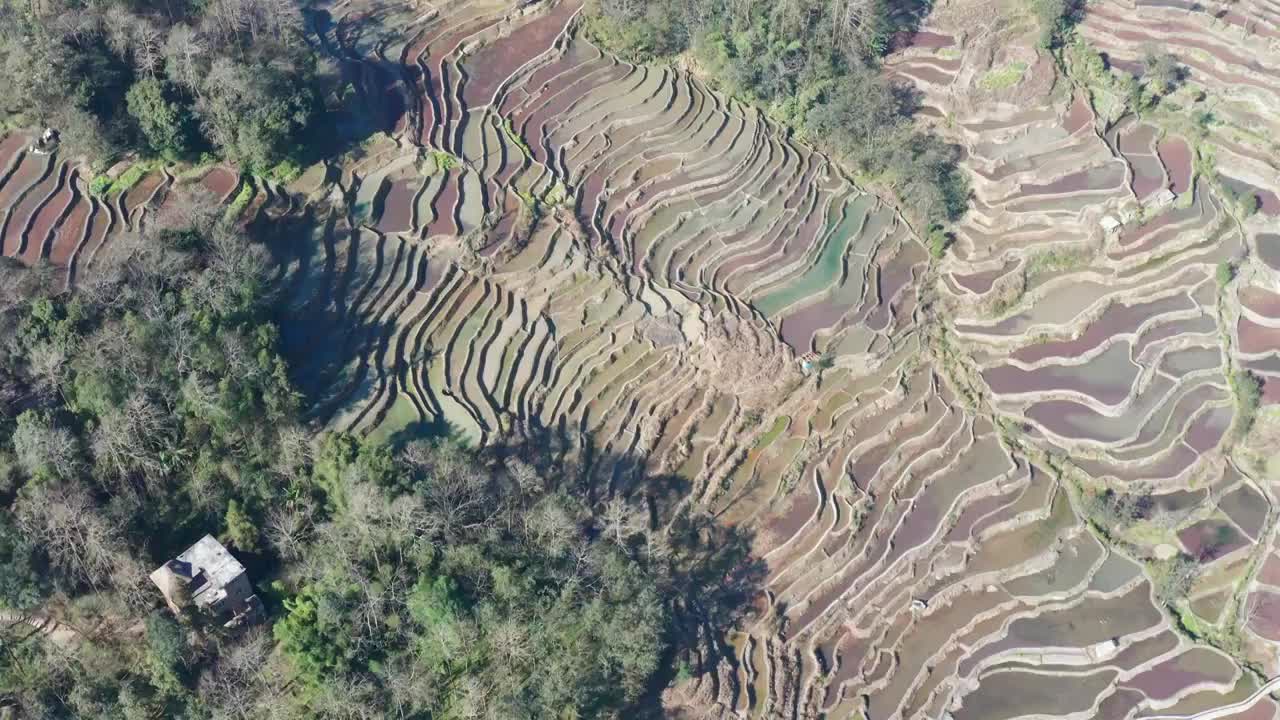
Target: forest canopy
234,78
812,65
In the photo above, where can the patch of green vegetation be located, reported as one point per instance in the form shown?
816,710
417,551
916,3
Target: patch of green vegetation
1003,78
1147,534
1056,261
1173,578
442,161
1205,162
105,185
130,177
1225,273
514,137
285,171
99,185
1010,430
1224,636
196,170
768,438
242,199
1246,204
1088,69
1247,390
1049,262
1057,19
1191,623
530,200
939,241
556,196
535,206
1116,93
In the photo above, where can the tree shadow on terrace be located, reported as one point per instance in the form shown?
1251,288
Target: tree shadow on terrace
364,94
712,580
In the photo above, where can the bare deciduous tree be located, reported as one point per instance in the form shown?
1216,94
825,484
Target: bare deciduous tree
246,681
296,452
118,27
510,639
288,528
63,518
45,448
147,47
409,685
854,24
48,365
622,521
552,526
525,475
184,53
133,437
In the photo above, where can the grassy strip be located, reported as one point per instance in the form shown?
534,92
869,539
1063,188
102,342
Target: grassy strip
104,185
1246,388
242,200
514,137
1005,77
768,438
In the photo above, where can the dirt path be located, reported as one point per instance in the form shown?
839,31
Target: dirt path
59,633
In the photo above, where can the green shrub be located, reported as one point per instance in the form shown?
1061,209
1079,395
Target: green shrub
1226,272
99,185
165,123
939,241
285,171
1057,19
556,196
442,161
242,199
1247,389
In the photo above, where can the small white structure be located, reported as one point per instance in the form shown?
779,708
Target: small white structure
1104,650
210,577
1163,198
1109,223
46,143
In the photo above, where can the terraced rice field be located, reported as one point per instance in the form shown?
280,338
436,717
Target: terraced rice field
48,216
548,242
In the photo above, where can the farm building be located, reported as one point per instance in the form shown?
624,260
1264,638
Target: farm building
209,576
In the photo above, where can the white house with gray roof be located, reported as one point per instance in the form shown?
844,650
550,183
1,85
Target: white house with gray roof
211,578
